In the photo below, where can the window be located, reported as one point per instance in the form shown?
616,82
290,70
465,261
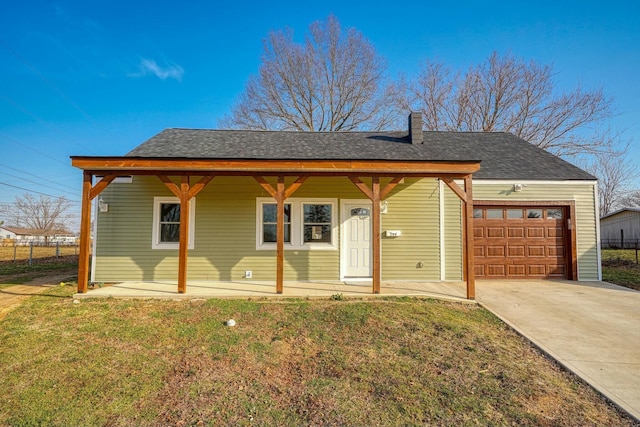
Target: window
317,222
166,223
494,214
554,213
269,217
514,213
477,213
534,213
308,224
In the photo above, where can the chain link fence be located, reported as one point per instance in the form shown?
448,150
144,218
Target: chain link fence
14,251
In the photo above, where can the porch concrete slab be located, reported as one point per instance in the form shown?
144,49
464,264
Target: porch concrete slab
591,328
455,291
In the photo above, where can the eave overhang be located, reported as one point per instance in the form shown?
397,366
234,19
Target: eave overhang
199,166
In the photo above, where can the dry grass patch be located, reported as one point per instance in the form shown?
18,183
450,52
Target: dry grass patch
620,266
394,362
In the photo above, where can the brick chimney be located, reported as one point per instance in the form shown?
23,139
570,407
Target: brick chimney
415,127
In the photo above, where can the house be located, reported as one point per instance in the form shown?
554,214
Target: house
621,229
26,236
309,206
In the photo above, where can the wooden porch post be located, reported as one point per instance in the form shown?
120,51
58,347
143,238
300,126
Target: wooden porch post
85,233
89,192
375,232
184,193
280,194
376,195
280,234
184,235
468,241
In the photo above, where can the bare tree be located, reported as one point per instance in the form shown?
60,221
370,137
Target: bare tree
44,213
631,199
615,175
332,82
511,95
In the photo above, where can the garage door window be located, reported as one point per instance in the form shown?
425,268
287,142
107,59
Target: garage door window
554,213
494,214
534,213
514,214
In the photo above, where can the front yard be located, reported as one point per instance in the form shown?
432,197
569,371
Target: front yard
292,362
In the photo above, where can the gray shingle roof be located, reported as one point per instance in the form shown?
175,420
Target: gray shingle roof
502,155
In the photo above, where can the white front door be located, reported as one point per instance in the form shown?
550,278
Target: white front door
356,238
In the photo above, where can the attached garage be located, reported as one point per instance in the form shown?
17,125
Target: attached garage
524,241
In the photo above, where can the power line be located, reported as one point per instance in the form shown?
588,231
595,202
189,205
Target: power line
15,141
37,192
39,183
39,177
39,119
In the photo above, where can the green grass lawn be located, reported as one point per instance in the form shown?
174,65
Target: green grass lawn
294,362
619,266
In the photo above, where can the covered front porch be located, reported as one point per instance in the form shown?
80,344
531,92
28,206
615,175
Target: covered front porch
454,291
280,179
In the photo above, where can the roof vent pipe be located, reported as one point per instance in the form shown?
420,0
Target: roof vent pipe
415,128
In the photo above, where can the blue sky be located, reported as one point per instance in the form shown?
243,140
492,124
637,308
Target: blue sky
99,78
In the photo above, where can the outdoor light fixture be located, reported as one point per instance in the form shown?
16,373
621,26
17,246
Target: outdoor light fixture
518,187
102,205
384,205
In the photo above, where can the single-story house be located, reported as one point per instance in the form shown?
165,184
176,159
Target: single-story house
313,206
621,229
26,236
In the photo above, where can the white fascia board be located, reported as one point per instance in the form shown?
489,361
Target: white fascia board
522,181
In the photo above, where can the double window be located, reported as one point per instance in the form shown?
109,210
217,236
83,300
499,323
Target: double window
166,223
308,224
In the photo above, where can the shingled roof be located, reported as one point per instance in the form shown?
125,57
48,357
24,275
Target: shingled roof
502,155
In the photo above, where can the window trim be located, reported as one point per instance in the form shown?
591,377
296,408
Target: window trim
297,224
155,234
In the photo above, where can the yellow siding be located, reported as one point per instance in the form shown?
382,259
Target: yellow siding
225,233
452,235
582,193
413,209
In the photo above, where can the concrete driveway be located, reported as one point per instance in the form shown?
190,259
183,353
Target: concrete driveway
592,328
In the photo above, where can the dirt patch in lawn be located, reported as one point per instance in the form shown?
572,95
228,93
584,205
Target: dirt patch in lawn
11,296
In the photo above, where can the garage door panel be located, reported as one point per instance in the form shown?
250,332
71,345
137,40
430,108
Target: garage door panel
535,232
539,270
495,270
557,232
516,251
521,246
496,251
515,232
557,271
495,232
535,251
517,270
557,251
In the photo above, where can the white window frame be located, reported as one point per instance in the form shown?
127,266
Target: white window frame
155,235
297,224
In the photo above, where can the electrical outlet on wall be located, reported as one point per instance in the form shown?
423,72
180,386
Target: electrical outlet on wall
248,274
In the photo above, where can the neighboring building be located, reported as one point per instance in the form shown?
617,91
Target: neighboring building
533,216
26,236
621,229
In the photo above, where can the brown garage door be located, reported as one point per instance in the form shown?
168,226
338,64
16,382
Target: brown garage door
520,242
